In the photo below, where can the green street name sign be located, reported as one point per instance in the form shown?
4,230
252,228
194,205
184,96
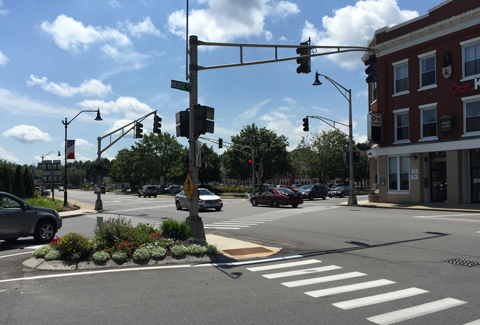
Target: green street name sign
185,86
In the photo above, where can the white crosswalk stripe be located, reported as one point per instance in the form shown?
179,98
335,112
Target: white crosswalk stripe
281,266
390,296
301,272
323,279
417,311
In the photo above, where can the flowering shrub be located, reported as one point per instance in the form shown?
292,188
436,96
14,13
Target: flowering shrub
53,255
157,252
141,254
42,251
72,245
179,250
123,246
195,249
160,240
101,256
120,256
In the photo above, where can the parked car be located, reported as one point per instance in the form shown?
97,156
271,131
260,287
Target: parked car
277,196
101,189
148,190
314,190
340,191
292,187
206,200
174,189
212,189
45,192
20,219
160,189
61,189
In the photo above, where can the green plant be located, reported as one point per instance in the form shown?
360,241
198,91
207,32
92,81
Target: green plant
72,245
101,256
195,249
42,251
179,250
53,255
75,256
141,254
160,240
174,229
119,256
157,252
111,231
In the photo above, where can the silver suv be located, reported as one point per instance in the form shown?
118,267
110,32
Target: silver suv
20,219
148,190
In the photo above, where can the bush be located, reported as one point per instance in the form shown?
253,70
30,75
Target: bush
195,249
42,251
123,246
101,256
53,255
179,250
160,240
119,256
174,229
111,231
157,252
72,245
141,254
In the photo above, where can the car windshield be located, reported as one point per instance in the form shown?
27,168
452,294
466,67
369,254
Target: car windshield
204,192
338,188
285,191
305,187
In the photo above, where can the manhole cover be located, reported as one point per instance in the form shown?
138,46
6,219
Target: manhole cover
463,261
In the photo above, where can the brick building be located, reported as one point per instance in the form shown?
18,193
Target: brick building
424,111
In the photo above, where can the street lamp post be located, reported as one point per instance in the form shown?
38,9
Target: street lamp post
66,123
352,199
43,156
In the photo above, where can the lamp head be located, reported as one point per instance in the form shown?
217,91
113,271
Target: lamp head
317,82
59,155
98,118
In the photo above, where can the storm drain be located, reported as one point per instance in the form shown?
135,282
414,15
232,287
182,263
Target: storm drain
463,261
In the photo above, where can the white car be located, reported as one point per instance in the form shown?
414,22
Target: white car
45,192
206,200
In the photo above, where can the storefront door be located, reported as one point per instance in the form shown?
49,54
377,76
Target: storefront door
475,172
438,172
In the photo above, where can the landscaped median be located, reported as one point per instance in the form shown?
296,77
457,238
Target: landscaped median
118,243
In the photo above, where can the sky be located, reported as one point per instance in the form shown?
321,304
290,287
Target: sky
61,57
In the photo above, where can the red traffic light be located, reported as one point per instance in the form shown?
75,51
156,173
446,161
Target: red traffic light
249,161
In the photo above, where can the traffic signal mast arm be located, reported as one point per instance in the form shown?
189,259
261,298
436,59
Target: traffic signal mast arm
324,120
339,49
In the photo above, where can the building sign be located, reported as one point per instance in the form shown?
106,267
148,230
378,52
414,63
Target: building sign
374,127
414,177
455,89
383,181
446,123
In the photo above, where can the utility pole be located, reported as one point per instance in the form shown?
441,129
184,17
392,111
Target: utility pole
196,223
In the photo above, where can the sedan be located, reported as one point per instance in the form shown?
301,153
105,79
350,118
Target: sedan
206,199
340,191
41,191
174,189
20,219
277,196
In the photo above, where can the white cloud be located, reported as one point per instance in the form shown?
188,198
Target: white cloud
131,107
252,112
91,87
3,59
290,100
119,124
321,109
223,21
359,138
26,134
7,155
71,35
363,93
83,144
114,4
144,27
354,26
3,12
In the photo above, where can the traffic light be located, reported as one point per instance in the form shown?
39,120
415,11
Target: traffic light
156,124
249,166
220,143
305,63
181,120
372,69
305,124
356,156
204,119
138,130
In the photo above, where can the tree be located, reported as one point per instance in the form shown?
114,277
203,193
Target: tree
74,177
18,188
270,149
7,174
210,171
28,183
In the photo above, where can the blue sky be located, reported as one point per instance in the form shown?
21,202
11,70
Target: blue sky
120,56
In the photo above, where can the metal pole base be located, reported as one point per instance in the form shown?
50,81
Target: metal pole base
196,227
98,205
352,200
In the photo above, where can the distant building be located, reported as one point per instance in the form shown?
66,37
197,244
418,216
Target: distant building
424,111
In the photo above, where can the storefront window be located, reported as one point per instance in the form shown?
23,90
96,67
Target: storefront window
398,173
471,113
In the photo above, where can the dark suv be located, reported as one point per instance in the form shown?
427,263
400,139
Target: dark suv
212,189
314,190
148,190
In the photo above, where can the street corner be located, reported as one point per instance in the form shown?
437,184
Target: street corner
239,249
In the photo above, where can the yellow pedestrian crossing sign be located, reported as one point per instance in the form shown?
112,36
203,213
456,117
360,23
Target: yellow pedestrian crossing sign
188,187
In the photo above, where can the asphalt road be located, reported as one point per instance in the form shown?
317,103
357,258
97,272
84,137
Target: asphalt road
353,265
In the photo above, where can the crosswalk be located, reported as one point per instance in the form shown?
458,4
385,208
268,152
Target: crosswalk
269,216
312,267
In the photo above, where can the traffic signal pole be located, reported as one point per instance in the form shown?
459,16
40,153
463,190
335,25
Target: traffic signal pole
195,222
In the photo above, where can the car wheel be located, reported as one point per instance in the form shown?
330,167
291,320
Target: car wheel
275,204
155,196
324,197
218,209
329,195
254,202
145,195
294,205
177,204
342,195
311,197
45,232
139,195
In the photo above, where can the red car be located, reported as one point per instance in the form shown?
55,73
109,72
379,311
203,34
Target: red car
276,196
292,187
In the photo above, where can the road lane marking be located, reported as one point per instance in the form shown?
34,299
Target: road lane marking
231,228
377,299
323,279
302,272
349,288
283,265
446,215
16,254
417,311
475,322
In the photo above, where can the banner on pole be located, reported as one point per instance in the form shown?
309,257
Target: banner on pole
70,149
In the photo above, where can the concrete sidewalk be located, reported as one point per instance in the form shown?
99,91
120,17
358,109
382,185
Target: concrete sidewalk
473,208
